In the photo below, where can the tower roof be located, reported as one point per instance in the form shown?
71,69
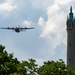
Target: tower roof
71,13
70,9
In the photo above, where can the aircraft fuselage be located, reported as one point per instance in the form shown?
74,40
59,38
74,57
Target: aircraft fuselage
17,30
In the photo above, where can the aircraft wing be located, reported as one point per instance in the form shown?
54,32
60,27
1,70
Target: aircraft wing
8,28
26,28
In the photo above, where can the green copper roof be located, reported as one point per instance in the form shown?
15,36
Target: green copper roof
71,14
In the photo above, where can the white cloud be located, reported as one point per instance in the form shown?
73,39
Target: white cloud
56,17
40,4
53,9
26,23
54,29
41,21
6,7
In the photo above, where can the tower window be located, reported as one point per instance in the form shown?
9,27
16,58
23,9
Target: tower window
70,59
70,43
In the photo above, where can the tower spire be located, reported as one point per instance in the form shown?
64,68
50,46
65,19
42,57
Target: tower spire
70,9
71,13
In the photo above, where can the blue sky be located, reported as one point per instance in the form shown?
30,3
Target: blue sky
48,41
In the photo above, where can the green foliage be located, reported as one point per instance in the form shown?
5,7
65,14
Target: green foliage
8,64
15,74
11,66
31,66
53,68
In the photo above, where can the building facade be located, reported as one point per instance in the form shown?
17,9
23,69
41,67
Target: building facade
71,39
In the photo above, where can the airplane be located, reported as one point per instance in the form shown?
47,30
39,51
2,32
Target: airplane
17,29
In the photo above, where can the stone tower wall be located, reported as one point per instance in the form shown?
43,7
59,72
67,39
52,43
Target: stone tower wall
71,47
71,40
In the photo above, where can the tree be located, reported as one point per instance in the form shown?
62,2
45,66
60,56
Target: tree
12,66
26,68
53,68
8,64
31,66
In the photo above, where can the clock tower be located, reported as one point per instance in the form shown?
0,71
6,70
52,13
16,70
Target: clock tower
71,39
